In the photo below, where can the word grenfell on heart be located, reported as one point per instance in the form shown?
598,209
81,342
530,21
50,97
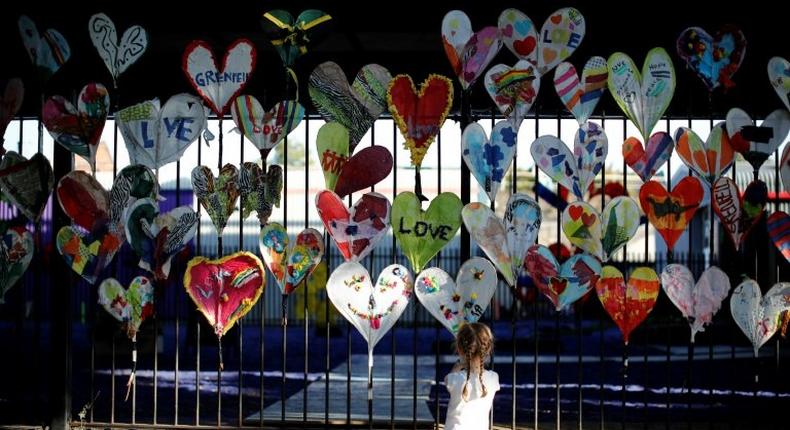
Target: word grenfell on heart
209,77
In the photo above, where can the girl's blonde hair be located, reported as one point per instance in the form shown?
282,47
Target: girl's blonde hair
475,342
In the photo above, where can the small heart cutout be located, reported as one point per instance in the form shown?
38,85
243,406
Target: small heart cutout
27,183
219,86
739,213
646,163
48,52
290,264
16,253
265,129
513,89
422,234
357,230
565,284
469,53
670,213
599,235
756,314
489,159
260,191
698,303
779,76
217,195
628,304
715,59
757,143
581,96
117,57
291,36
131,306
709,159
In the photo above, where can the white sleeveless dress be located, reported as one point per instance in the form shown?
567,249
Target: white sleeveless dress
471,414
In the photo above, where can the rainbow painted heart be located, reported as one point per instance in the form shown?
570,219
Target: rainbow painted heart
290,264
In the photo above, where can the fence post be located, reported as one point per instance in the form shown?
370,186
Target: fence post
466,186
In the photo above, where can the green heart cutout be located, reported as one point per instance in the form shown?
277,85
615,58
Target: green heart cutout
332,146
422,234
290,36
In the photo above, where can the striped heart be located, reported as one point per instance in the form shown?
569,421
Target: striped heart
779,231
645,162
581,96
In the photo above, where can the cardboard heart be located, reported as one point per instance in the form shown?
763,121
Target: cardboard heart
16,253
464,300
581,96
217,195
670,213
116,56
78,129
419,115
131,306
372,308
698,303
709,159
739,213
355,106
225,289
646,162
47,52
599,235
565,284
758,315
260,191
157,136
489,159
628,304
513,89
291,37
643,97
219,85
10,102
757,143
779,76
576,171
779,230
156,237
290,264
27,183
265,129
469,52
422,234
713,58
357,230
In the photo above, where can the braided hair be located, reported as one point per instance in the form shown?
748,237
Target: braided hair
475,342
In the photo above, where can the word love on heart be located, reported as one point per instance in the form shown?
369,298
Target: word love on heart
422,229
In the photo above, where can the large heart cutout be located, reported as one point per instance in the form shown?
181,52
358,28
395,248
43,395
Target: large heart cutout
565,284
628,303
225,289
290,37
713,58
117,57
464,300
469,53
739,213
489,159
16,253
78,129
260,191
643,97
290,264
599,235
709,159
779,76
757,143
698,303
372,308
219,87
758,315
419,115
581,96
47,52
356,106
513,89
576,171
265,129
670,213
27,183
357,230
131,306
217,195
422,234
10,102
779,230
646,162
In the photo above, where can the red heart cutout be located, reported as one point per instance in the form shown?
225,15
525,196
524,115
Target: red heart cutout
575,211
556,19
670,213
357,233
558,285
83,199
588,219
364,169
525,46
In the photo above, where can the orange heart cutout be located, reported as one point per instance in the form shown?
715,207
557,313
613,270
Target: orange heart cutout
670,213
549,55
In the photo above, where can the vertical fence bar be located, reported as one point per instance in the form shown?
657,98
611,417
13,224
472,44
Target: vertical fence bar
284,310
515,304
602,365
557,393
535,326
394,260
624,370
198,250
178,314
240,384
436,324
220,252
307,279
466,186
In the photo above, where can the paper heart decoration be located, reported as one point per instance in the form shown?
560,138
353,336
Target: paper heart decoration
628,303
265,129
357,230
646,162
289,36
565,284
713,58
78,129
573,171
469,52
117,57
784,167
464,300
779,230
489,159
757,143
779,76
217,195
356,106
260,191
599,235
709,159
47,52
670,213
219,85
581,96
27,183
156,237
16,253
422,234
157,136
698,303
739,213
419,115
758,315
10,102
332,146
643,97
131,306
225,289
513,89
372,308
290,264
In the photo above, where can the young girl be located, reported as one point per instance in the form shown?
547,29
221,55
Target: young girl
471,387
